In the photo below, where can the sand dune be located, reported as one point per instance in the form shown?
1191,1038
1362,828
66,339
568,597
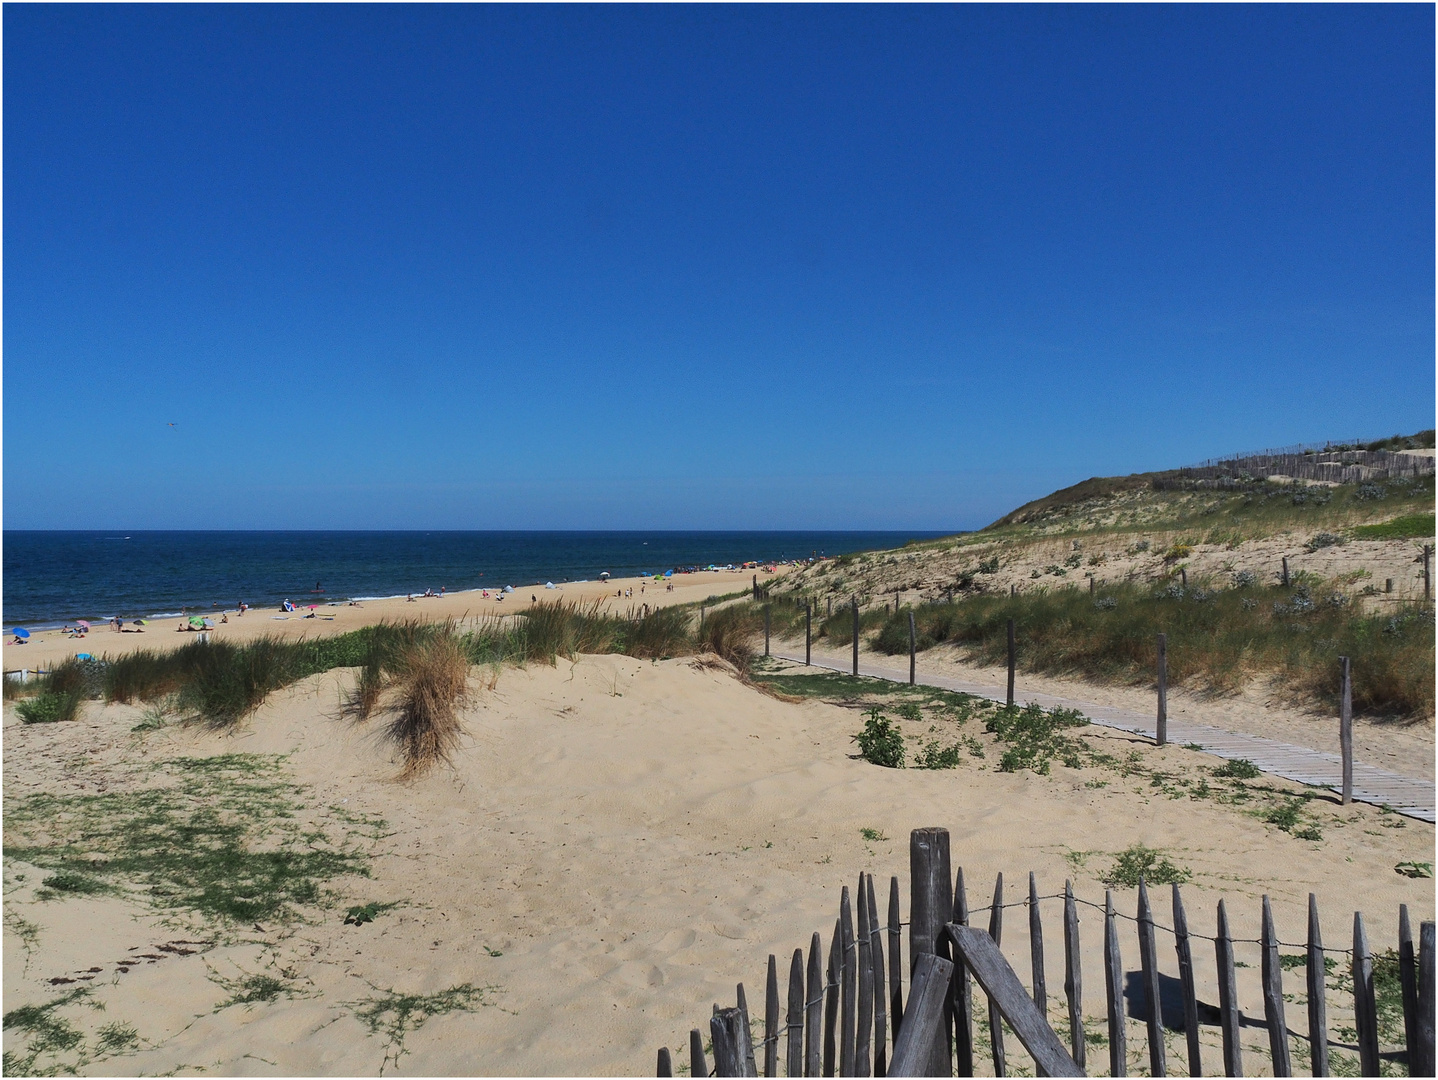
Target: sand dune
617,844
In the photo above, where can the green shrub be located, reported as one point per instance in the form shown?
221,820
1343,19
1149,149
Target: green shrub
933,756
1140,863
1238,769
49,707
1034,738
881,742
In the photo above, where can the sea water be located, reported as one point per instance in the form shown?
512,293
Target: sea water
55,577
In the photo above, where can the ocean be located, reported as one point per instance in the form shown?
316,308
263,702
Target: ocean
56,577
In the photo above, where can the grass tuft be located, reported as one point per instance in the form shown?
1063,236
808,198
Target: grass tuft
1140,863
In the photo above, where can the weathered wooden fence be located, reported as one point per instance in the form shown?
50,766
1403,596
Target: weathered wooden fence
1342,466
845,1012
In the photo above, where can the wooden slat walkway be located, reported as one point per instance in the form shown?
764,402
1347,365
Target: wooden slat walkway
1407,795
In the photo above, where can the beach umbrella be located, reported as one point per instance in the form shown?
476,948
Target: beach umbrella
82,622
604,575
197,622
20,632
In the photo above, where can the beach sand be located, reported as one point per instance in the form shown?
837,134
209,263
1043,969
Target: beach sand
617,844
48,647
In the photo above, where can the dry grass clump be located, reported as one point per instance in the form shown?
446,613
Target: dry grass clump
731,633
419,674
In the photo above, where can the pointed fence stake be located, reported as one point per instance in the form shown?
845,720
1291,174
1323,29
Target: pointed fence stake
794,1018
1185,979
846,984
750,1068
831,1003
996,1020
1012,657
1073,975
962,991
771,1018
855,603
1113,989
1408,979
698,1068
814,1009
896,964
1161,729
864,1028
1365,1009
1273,996
1317,991
913,645
1228,996
666,1065
1425,999
1153,1000
876,963
1036,954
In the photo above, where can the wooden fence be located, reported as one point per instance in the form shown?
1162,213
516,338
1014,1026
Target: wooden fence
845,1012
1343,467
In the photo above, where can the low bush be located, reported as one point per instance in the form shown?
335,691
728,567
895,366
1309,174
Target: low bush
1034,737
881,742
49,707
1140,863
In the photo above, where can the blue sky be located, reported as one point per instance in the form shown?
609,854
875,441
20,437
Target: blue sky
700,266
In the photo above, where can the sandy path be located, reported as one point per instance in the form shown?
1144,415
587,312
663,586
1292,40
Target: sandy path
632,837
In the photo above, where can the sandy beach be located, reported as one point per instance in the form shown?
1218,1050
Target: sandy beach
48,647
617,843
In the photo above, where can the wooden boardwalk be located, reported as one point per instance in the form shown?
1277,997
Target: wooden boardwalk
1407,795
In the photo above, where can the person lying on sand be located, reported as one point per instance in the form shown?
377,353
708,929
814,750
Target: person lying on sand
18,640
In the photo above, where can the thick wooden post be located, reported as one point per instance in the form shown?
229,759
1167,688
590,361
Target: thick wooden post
1408,981
728,1035
756,588
930,902
771,1018
1185,978
1425,999
1161,730
996,1020
1365,1009
1317,991
1011,662
1273,996
912,647
864,1026
1228,996
794,1018
808,634
666,1063
1345,724
961,991
1073,975
1113,990
856,634
1388,585
766,629
1148,962
896,964
1285,571
847,972
1092,584
814,1009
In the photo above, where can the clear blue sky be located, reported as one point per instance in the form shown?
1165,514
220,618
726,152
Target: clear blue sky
696,267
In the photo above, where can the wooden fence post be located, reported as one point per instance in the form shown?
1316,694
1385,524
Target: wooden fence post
1408,980
996,1020
814,1009
1365,1009
1113,989
876,961
743,1006
1427,581
846,983
924,1025
1092,584
756,588
830,609
794,1018
1183,578
912,648
1388,585
1285,571
1185,978
771,1019
831,1002
808,634
1425,998
856,634
1073,975
666,1064
1317,990
962,991
1161,728
930,901
728,1035
697,1065
1148,962
1228,996
1273,996
766,629
1011,662
896,966
1036,949
1345,724
864,955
